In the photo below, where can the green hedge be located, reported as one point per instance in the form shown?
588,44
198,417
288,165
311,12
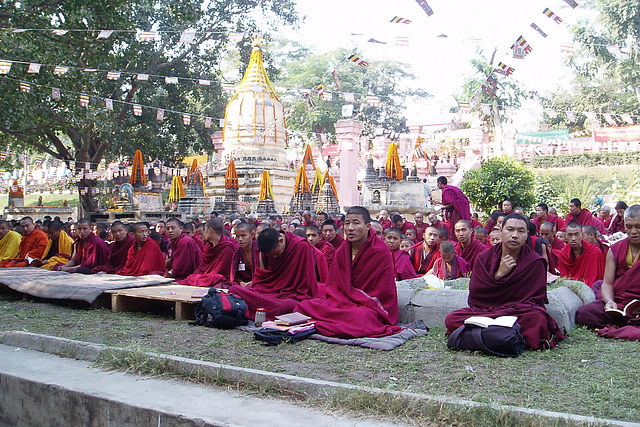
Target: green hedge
586,159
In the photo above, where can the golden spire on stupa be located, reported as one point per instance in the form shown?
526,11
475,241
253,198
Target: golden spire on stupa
265,187
231,176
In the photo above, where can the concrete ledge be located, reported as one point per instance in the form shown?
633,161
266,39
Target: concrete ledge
315,388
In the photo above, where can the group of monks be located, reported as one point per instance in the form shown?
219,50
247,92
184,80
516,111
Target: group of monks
343,272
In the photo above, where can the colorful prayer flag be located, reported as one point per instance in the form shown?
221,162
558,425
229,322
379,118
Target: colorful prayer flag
423,4
538,29
398,20
357,60
104,34
25,87
113,75
402,41
229,87
571,116
59,70
327,96
207,122
552,15
464,107
108,104
160,114
523,44
492,82
349,97
5,67
203,82
84,100
235,37
510,111
171,80
186,119
504,69
373,100
55,93
335,79
146,36
567,48
571,3
347,110
372,40
551,113
142,77
60,32
187,36
319,89
137,110
34,68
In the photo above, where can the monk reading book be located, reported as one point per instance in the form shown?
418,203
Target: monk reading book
284,276
34,243
183,252
361,298
59,249
145,256
118,249
620,286
215,265
9,241
510,279
89,250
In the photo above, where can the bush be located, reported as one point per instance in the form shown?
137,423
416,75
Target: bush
586,159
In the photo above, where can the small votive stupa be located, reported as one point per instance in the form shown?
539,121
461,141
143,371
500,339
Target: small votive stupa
254,136
328,197
265,201
301,199
229,204
193,201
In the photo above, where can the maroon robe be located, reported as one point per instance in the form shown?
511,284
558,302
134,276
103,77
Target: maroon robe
198,241
185,256
278,284
617,224
626,287
337,241
148,260
553,219
420,232
471,252
406,226
116,257
585,218
215,265
459,268
522,293
587,268
423,262
90,253
386,224
361,297
327,250
241,271
322,268
403,267
459,210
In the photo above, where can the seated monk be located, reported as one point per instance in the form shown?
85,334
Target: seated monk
449,266
548,231
403,268
215,264
314,237
244,260
89,250
145,256
361,298
620,285
184,253
117,255
9,241
190,230
580,260
330,233
495,238
592,235
406,244
322,269
510,279
481,235
33,244
467,247
59,249
284,275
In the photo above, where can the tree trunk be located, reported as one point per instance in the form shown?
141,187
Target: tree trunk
87,201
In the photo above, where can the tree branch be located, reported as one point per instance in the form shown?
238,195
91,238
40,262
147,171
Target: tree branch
64,153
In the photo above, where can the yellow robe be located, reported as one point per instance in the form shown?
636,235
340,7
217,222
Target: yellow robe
10,245
65,250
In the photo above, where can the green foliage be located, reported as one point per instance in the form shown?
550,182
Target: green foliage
586,159
545,191
499,179
628,191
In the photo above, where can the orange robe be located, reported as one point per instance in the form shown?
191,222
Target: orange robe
32,245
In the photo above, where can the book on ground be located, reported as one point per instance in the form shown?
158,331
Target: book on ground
631,310
291,319
484,321
199,293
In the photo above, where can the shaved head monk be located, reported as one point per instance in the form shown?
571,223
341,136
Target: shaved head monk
402,262
579,259
450,266
510,279
183,253
246,256
314,236
89,250
467,247
145,256
284,275
543,215
425,253
215,265
619,287
330,233
117,256
361,298
34,243
189,229
548,231
59,249
582,216
9,241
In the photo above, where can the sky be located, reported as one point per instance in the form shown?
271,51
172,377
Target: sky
441,64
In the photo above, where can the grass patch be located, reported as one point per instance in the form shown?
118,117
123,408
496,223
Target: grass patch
587,375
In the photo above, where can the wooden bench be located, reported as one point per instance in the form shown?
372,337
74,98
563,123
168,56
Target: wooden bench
154,298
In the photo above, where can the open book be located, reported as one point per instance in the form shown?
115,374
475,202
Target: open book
483,321
631,310
29,259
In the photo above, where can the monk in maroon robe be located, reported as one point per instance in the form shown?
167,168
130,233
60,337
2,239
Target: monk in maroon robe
449,266
582,216
579,259
420,225
467,247
285,274
620,286
117,255
246,256
361,298
617,223
455,205
425,253
543,215
215,265
510,279
330,234
183,252
89,251
190,230
402,262
145,256
314,237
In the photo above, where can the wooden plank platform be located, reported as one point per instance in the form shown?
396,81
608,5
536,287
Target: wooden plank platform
177,297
